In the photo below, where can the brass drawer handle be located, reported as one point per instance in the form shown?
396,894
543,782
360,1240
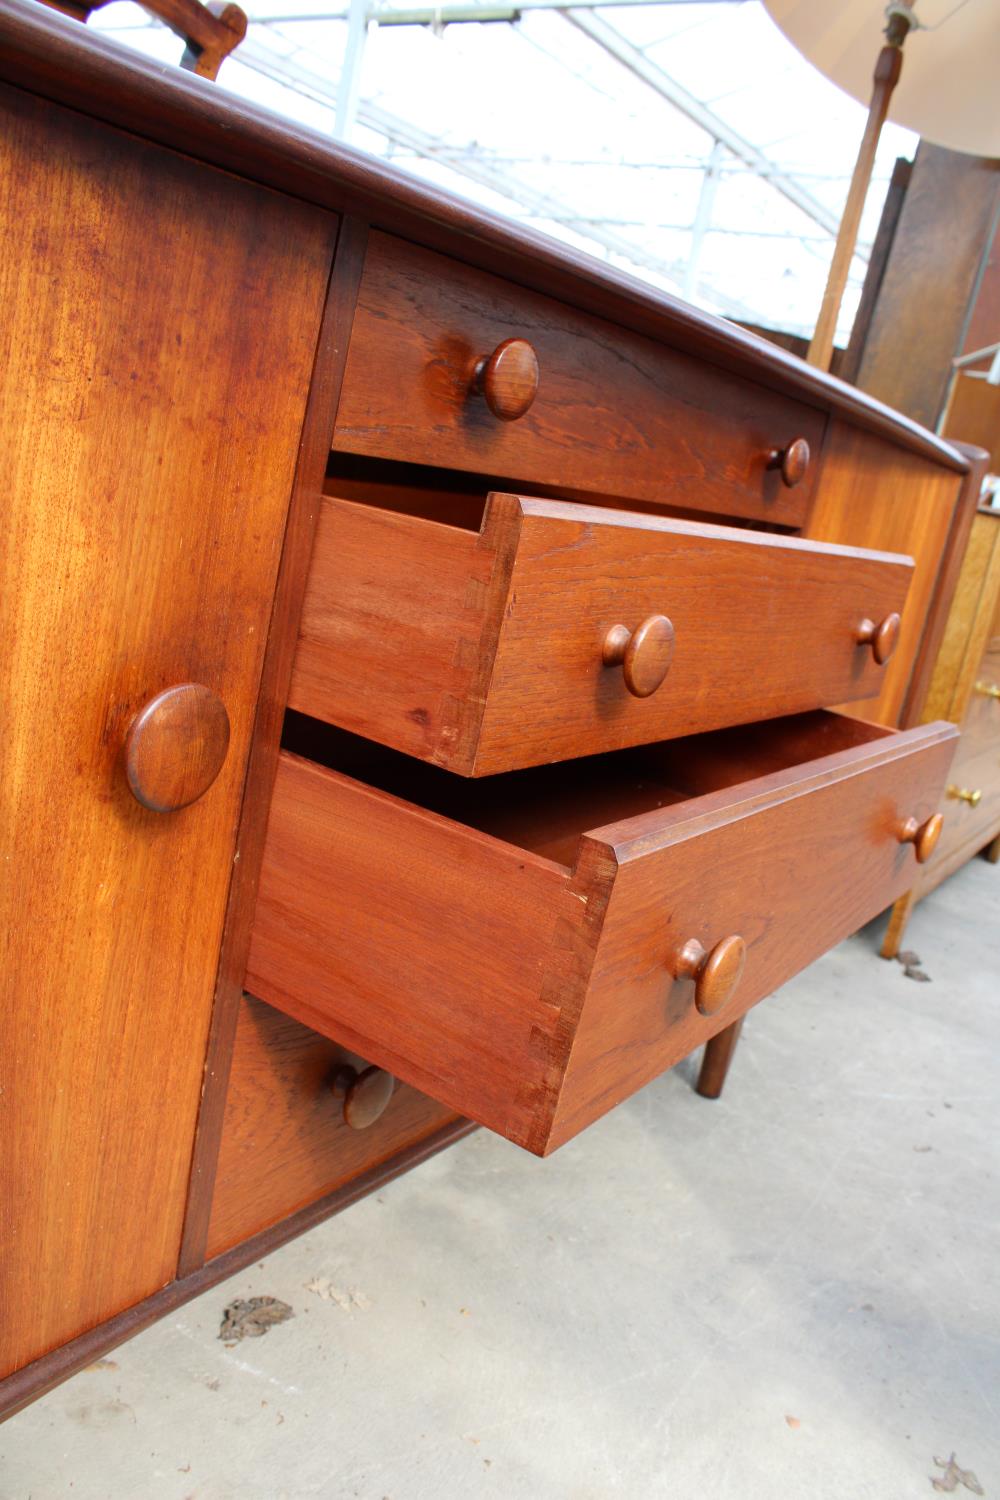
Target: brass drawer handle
923,836
366,1094
716,973
644,655
507,379
176,746
792,461
987,689
964,794
882,638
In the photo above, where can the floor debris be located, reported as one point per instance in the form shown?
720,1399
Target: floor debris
912,966
350,1300
251,1318
953,1476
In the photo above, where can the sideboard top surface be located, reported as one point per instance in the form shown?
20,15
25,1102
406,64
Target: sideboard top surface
60,59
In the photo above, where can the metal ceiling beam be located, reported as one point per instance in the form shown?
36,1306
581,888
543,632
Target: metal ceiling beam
622,50
447,15
542,205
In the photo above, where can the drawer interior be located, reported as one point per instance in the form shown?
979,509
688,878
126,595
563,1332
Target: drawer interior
546,809
456,498
514,946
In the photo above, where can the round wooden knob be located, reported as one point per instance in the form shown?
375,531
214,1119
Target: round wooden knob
508,379
923,836
792,461
882,637
644,655
965,794
366,1094
716,973
176,746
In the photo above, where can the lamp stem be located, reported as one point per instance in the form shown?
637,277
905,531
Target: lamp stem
887,71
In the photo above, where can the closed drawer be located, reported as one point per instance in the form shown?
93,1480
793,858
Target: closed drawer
488,651
971,802
982,716
285,1139
523,948
614,413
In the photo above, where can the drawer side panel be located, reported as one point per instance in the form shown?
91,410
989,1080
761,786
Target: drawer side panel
433,951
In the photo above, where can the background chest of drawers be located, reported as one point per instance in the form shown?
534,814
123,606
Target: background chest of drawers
559,580
965,688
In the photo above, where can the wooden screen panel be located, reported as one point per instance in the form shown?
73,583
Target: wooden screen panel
161,322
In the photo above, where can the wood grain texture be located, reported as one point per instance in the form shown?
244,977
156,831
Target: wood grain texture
974,409
527,983
847,367
971,626
873,495
94,73
949,567
615,413
807,859
324,391
969,652
508,379
160,322
399,875
176,746
32,1381
284,1141
487,653
716,1060
945,229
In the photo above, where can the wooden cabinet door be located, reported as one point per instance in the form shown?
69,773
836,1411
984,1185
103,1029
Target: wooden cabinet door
159,322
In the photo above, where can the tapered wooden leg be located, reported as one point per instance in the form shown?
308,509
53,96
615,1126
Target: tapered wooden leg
897,925
992,851
715,1063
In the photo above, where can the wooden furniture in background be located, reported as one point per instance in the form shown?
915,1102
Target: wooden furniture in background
944,246
942,256
228,334
966,689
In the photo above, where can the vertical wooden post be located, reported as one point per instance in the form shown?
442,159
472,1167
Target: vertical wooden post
887,71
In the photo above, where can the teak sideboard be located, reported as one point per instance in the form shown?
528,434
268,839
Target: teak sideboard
445,681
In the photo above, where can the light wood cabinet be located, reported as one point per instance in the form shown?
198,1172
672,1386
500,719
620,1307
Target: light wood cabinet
965,688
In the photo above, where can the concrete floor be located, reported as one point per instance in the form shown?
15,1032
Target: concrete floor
792,1293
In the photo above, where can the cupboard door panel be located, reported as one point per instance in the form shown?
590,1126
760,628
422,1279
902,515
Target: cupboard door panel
160,322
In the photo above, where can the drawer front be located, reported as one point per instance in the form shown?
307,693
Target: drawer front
971,802
793,870
982,716
491,652
614,414
533,995
285,1141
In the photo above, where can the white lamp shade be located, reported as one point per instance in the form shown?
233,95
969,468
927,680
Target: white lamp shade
949,91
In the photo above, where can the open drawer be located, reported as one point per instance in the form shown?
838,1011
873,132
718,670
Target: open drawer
531,949
559,630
